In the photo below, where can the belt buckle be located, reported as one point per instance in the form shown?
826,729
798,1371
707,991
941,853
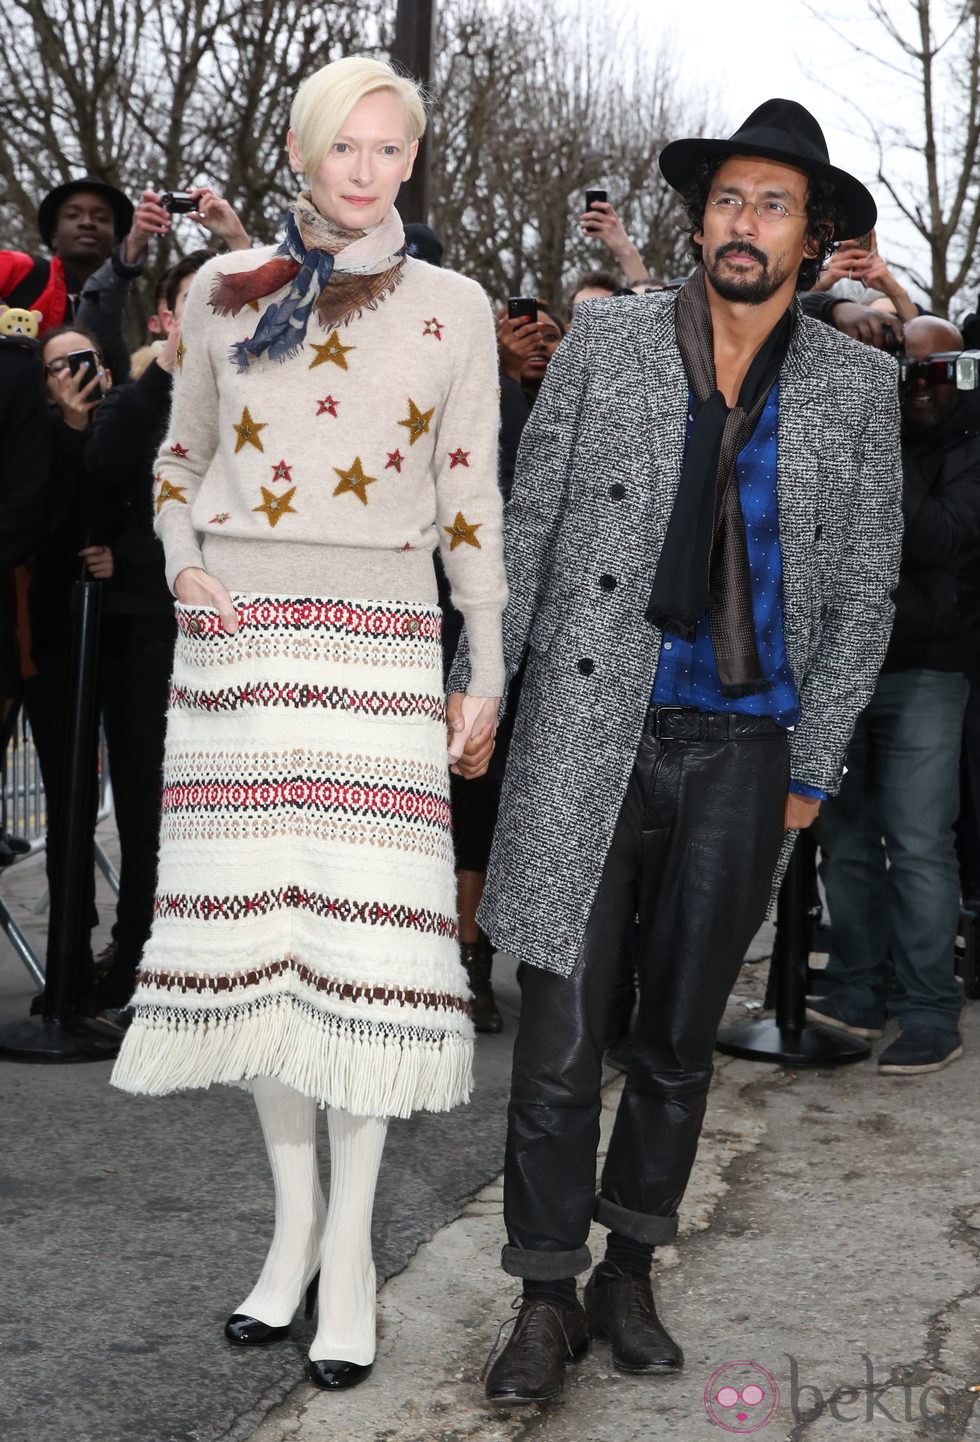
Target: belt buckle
665,711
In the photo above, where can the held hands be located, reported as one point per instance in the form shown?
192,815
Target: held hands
472,725
194,587
801,811
873,327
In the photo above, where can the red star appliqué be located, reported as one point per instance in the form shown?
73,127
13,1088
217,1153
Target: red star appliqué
459,457
282,473
394,461
327,407
176,450
434,327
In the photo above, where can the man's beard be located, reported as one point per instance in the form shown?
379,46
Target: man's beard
744,289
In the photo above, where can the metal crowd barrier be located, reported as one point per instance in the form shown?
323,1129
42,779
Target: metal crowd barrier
24,814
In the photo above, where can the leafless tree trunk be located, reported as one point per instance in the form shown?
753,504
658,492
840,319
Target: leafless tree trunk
532,106
932,61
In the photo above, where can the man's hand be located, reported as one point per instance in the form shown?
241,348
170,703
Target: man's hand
873,327
848,262
801,811
194,587
217,216
471,724
516,340
149,219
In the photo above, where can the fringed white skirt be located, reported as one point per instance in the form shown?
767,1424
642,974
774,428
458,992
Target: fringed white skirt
305,922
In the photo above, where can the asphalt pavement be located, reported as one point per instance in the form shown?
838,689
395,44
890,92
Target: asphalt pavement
828,1258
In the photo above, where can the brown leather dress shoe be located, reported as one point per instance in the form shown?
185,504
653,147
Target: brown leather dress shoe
531,1368
620,1310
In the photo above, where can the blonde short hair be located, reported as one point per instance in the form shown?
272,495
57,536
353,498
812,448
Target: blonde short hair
324,100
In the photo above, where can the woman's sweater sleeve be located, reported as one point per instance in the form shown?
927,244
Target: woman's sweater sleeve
468,503
192,438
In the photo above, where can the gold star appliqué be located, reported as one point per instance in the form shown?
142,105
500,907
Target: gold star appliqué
333,351
282,474
275,507
327,407
247,431
252,305
181,352
462,533
417,423
167,492
354,480
434,327
459,457
394,461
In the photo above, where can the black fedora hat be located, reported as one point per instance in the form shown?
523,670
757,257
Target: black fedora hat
784,131
47,211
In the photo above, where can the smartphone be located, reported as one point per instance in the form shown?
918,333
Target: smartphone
522,307
78,359
591,196
865,242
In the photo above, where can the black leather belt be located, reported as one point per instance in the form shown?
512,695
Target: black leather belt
683,723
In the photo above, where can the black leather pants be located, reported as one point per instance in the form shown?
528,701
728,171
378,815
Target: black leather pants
692,858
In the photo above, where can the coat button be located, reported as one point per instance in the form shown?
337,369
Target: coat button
586,666
617,492
194,626
607,583
414,626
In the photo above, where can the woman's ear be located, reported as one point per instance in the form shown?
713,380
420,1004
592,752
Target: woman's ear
295,156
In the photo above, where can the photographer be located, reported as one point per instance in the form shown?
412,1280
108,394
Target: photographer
75,543
138,634
891,875
601,220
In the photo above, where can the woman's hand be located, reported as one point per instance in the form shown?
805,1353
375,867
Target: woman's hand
602,221
217,215
472,725
98,559
516,341
77,396
167,359
194,587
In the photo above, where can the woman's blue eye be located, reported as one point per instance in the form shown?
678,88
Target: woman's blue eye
390,149
341,146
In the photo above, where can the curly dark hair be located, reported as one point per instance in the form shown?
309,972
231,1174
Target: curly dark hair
825,215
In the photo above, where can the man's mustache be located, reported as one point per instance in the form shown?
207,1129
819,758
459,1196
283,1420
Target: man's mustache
742,247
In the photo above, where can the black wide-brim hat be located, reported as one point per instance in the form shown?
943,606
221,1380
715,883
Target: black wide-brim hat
47,211
786,132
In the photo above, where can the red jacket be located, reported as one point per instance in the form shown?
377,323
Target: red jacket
34,283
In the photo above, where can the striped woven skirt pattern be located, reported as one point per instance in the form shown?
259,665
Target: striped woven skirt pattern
305,922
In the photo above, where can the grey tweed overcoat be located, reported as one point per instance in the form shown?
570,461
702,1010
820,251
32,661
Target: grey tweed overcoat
596,477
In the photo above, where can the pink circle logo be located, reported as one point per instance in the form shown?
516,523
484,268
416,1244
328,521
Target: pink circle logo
741,1397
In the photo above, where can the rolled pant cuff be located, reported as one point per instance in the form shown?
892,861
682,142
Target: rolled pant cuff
543,1266
640,1226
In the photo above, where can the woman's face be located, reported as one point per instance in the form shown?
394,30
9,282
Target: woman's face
356,184
55,357
549,340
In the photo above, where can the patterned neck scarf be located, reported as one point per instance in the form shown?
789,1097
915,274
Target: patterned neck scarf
704,564
338,272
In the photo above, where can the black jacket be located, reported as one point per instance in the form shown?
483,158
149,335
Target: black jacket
25,464
941,505
127,433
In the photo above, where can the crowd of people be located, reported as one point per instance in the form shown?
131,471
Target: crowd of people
304,900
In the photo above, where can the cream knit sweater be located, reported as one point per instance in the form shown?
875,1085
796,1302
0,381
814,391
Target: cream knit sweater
337,472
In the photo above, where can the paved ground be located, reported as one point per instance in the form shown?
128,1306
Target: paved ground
830,1240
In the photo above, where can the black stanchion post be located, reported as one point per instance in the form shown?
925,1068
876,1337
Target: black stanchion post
60,1033
786,1038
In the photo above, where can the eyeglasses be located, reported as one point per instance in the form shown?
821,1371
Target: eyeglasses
770,211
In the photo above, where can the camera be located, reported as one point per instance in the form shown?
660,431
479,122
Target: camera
178,202
949,367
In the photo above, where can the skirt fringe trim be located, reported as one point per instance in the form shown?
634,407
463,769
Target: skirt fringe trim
368,1068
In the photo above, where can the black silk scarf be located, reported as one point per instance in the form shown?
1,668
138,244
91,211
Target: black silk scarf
704,564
